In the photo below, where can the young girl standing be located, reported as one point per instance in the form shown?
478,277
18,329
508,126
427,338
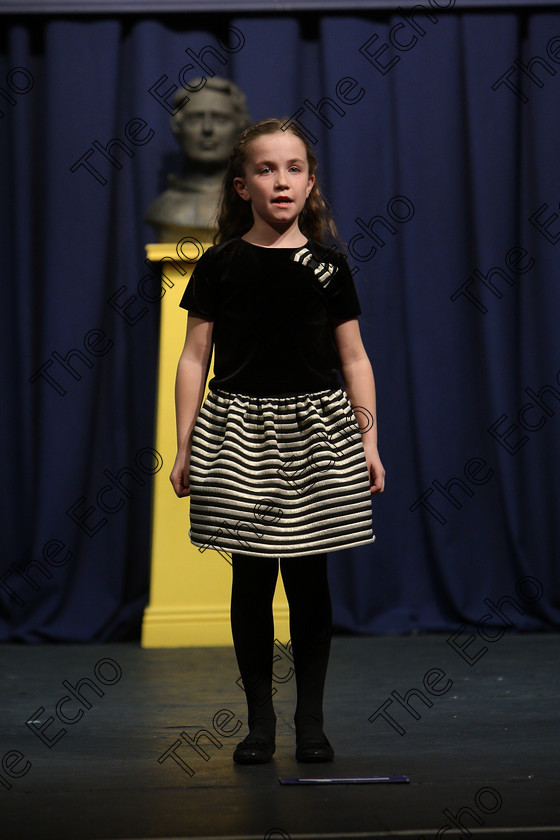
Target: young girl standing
274,460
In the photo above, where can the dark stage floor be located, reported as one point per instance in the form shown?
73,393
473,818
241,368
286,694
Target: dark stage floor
483,758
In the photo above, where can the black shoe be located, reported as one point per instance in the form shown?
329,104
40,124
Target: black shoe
254,750
314,749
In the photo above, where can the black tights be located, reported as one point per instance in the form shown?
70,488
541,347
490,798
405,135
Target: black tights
307,589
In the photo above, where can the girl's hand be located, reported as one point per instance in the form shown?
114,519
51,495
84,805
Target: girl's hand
376,470
180,473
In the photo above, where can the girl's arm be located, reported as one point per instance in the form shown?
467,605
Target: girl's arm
359,384
189,391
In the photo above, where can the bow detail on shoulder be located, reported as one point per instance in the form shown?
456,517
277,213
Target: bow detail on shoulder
324,272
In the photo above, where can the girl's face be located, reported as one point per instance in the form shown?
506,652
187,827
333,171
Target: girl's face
276,179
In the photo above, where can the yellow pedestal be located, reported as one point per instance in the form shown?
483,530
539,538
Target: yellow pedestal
190,589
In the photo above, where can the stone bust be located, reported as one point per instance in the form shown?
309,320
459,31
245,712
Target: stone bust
205,127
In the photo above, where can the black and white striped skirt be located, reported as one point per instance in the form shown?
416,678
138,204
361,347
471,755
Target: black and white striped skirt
278,476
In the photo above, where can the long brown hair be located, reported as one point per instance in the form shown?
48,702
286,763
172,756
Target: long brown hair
235,216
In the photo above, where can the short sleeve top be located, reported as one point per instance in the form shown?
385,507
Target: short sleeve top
273,310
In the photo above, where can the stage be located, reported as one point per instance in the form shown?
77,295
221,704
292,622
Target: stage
100,742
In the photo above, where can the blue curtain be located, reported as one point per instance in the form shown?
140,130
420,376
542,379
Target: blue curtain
437,141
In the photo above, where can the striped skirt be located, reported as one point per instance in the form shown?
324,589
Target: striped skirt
278,476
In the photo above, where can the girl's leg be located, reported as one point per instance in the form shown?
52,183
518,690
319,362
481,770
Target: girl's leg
307,588
252,624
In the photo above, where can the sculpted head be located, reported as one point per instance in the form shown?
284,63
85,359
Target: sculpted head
207,125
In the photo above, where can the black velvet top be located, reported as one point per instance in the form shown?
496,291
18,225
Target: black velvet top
273,311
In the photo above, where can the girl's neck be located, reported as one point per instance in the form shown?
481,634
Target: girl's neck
270,238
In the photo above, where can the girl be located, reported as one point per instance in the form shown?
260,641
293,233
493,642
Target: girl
275,461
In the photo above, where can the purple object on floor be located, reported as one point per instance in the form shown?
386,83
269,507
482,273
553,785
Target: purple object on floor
343,780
